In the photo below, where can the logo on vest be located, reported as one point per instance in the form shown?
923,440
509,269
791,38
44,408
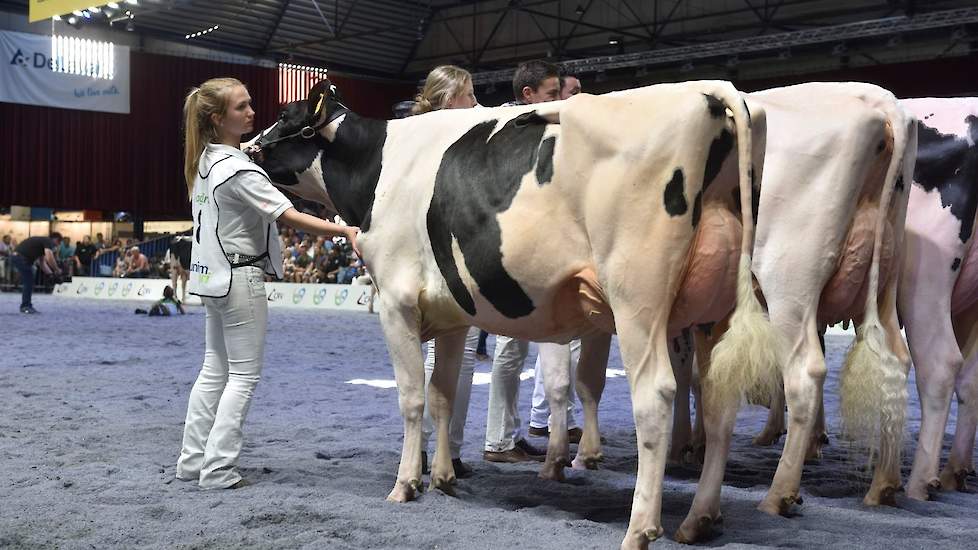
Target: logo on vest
319,297
199,268
341,296
201,198
298,294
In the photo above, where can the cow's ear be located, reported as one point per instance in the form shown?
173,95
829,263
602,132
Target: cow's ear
317,99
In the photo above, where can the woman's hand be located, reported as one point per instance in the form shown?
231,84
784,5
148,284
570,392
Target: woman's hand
352,232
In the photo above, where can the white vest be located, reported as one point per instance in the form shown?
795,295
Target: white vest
210,269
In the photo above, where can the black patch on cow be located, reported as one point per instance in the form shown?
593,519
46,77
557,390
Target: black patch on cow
899,184
545,161
755,196
949,164
706,328
716,107
746,110
351,167
476,180
674,195
697,208
880,146
719,149
955,264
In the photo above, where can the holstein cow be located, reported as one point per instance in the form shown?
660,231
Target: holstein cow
502,219
829,231
939,286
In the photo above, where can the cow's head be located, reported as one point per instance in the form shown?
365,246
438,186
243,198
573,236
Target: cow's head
292,149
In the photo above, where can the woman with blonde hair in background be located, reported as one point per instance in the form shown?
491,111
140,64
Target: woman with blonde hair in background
447,87
234,244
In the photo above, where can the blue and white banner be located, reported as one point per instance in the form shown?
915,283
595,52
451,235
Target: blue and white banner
65,72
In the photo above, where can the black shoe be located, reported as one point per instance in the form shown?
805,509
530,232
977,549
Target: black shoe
538,432
462,470
28,309
537,454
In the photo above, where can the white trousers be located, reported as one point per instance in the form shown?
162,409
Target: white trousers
540,413
219,400
460,410
503,423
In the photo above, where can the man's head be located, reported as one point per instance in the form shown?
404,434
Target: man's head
99,237
167,291
536,82
56,237
570,85
134,252
6,239
66,240
87,239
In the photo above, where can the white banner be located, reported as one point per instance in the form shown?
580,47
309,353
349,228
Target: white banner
285,295
27,73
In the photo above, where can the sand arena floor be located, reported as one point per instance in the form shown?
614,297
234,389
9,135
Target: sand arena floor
92,399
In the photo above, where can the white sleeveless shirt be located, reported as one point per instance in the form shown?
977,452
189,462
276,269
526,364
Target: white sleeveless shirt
234,207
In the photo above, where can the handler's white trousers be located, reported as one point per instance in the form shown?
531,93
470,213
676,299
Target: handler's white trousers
540,413
219,400
460,409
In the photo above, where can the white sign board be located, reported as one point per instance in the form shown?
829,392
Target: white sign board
27,76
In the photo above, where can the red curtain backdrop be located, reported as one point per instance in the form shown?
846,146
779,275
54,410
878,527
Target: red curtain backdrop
87,160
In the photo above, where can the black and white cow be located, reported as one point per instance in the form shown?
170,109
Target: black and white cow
542,222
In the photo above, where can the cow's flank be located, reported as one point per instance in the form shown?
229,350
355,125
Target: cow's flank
949,164
477,179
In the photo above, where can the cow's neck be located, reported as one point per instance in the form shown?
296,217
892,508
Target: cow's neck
351,164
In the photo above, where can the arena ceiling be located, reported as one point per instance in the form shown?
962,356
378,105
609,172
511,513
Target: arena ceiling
405,38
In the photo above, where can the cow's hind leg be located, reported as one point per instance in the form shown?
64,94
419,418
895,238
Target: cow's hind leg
401,331
961,461
554,362
591,376
681,357
441,397
775,426
653,387
719,416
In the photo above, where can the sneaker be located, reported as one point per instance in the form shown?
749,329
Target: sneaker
28,309
537,454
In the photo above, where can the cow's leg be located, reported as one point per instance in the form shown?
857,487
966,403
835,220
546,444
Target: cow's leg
646,356
803,372
591,376
681,357
697,452
937,360
554,364
961,461
887,477
719,416
401,331
775,427
441,396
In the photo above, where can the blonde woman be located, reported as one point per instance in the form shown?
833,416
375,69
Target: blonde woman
234,208
447,87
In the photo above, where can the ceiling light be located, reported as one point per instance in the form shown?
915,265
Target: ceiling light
614,40
77,13
113,5
94,9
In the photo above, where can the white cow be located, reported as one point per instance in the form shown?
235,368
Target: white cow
499,219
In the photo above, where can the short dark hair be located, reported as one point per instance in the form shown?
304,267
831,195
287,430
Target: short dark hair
565,74
55,235
168,291
532,74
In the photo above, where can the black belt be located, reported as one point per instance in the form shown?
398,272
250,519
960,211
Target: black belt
242,260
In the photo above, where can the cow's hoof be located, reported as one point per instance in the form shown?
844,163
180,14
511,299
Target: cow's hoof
952,480
443,484
554,471
885,496
767,438
782,506
640,540
918,492
587,462
404,491
814,452
698,529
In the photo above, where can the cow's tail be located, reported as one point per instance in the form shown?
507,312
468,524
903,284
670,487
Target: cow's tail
746,361
873,384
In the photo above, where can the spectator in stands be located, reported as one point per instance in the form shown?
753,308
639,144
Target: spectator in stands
138,264
303,264
64,254
570,85
447,87
116,247
6,249
100,241
31,250
84,253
